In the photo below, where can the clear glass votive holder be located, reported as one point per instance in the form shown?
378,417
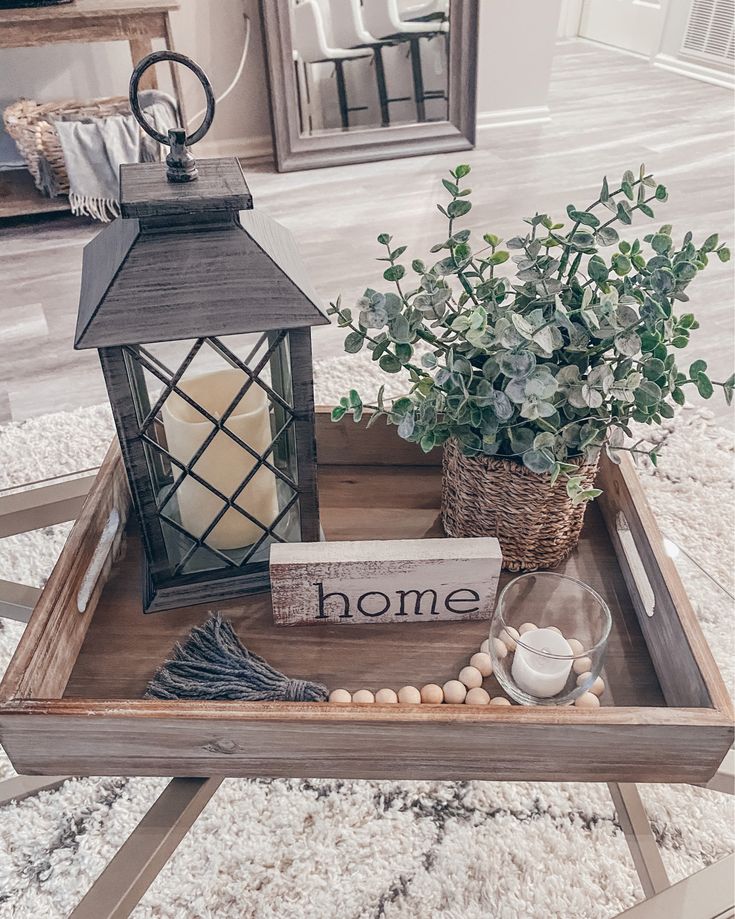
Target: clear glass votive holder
559,659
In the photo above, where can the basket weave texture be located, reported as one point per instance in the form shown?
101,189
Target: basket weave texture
534,521
31,125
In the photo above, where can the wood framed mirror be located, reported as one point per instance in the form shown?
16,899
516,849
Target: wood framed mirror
358,80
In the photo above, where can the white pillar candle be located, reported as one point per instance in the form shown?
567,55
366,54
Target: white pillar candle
536,673
224,464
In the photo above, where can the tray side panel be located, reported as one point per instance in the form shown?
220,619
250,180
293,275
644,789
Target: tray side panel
681,656
344,443
489,748
48,650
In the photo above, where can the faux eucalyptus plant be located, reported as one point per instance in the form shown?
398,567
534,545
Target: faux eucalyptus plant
550,364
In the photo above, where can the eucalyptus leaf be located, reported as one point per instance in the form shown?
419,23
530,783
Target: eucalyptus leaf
648,393
354,342
389,363
628,343
704,386
537,461
541,384
502,406
374,317
521,439
597,269
406,426
607,236
517,364
516,390
399,329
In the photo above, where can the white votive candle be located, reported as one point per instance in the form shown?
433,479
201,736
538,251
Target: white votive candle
534,671
224,464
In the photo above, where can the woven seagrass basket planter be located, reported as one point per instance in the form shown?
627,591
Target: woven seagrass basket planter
534,521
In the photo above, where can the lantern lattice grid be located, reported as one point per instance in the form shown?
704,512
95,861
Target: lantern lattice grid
221,462
169,471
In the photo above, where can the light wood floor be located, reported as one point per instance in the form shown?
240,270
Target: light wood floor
610,111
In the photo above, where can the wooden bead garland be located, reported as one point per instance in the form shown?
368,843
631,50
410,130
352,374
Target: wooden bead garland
582,665
477,696
386,696
597,687
471,677
509,636
587,700
340,695
454,692
468,689
483,662
363,697
409,695
431,694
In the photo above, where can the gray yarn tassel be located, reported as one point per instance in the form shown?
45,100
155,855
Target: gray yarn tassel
214,664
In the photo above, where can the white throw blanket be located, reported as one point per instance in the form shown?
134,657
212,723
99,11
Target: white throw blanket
95,148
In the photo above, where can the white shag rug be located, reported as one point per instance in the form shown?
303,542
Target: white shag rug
290,849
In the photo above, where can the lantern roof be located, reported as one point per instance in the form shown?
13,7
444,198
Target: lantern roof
190,261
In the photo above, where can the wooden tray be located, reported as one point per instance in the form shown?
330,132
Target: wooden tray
71,701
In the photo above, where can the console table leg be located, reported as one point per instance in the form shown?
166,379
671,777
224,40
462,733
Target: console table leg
175,73
138,862
141,47
639,836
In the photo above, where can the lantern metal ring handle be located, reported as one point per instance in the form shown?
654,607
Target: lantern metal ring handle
181,164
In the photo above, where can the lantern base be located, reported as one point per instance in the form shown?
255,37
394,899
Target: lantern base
206,587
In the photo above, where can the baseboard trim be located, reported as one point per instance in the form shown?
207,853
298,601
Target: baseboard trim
530,114
697,71
254,148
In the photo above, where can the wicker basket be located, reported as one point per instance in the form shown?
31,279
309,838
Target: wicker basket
31,125
535,522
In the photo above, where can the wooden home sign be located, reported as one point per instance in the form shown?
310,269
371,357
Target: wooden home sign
402,580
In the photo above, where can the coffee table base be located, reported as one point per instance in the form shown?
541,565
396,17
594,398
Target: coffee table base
116,892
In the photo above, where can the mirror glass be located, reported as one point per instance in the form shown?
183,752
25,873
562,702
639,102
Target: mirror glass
366,64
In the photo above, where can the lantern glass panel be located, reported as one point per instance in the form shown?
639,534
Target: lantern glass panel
216,419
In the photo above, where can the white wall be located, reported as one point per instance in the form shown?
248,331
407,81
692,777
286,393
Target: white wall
516,46
516,50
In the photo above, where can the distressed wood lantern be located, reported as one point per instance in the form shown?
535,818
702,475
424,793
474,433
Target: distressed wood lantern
201,311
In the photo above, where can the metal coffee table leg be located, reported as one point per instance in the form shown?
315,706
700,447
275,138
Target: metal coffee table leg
17,600
48,502
708,894
23,786
724,779
142,856
639,836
